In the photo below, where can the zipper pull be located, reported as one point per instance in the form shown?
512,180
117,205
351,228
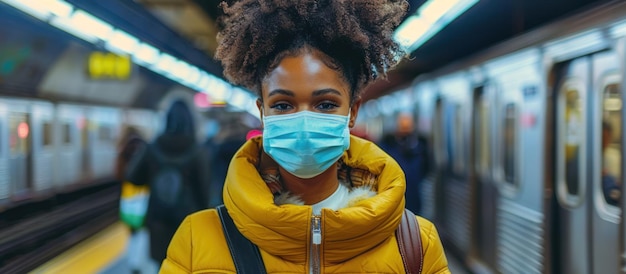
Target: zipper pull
317,230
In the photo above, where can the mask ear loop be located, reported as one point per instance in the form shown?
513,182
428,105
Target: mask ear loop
350,118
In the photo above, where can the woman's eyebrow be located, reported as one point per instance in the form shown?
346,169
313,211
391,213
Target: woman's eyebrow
326,91
315,93
281,91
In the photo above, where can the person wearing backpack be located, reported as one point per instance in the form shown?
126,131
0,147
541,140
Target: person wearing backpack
306,196
175,168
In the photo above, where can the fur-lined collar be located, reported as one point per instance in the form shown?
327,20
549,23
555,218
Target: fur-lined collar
355,195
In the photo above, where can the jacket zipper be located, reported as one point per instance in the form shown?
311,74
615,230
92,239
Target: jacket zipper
316,244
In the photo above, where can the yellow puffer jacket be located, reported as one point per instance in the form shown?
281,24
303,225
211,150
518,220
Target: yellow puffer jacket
356,239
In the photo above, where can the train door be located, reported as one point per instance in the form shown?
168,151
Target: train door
457,195
5,182
103,148
484,192
43,149
425,105
517,162
587,171
85,124
607,180
69,146
455,217
20,172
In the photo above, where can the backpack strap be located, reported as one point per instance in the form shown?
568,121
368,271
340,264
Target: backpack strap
410,243
245,254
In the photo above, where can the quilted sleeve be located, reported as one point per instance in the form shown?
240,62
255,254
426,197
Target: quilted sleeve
435,261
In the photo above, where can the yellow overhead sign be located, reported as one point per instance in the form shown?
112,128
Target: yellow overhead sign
106,65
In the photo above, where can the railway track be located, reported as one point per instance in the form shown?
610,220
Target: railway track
30,242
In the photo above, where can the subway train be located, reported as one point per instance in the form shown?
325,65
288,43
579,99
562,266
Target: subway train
65,99
50,147
526,143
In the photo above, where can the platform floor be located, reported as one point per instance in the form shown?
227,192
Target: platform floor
106,253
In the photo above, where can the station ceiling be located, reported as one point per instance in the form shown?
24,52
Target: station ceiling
482,26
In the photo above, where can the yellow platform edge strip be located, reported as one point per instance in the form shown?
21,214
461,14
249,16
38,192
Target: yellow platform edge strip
91,255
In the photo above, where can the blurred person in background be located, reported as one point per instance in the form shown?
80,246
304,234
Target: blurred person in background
307,196
175,169
127,147
254,133
405,146
222,147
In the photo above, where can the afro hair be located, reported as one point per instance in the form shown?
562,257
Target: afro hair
355,34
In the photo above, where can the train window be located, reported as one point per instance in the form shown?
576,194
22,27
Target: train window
570,150
458,147
481,136
84,134
47,134
509,136
438,135
105,133
611,144
19,129
67,133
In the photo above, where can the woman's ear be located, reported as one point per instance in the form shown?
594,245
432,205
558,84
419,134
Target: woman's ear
259,105
354,111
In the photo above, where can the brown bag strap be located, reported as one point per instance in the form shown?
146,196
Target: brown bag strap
410,243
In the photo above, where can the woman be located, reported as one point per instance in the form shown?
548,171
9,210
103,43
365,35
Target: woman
172,167
310,196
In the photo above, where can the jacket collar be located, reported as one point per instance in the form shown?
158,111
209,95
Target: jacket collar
284,230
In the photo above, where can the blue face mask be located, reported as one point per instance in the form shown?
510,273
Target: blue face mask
306,143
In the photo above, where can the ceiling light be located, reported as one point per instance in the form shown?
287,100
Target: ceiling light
146,54
432,10
122,41
56,7
430,18
92,29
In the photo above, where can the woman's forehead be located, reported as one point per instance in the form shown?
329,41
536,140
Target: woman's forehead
304,72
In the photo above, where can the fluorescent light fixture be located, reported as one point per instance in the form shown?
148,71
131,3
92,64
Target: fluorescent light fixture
65,24
431,17
92,25
57,7
413,27
193,76
83,25
180,70
165,63
146,54
203,81
218,89
239,99
432,10
122,41
34,8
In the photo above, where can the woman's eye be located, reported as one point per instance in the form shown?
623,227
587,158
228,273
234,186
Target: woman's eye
327,106
281,107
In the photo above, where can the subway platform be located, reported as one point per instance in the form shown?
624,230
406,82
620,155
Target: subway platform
110,252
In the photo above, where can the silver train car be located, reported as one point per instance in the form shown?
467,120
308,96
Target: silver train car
46,147
527,149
